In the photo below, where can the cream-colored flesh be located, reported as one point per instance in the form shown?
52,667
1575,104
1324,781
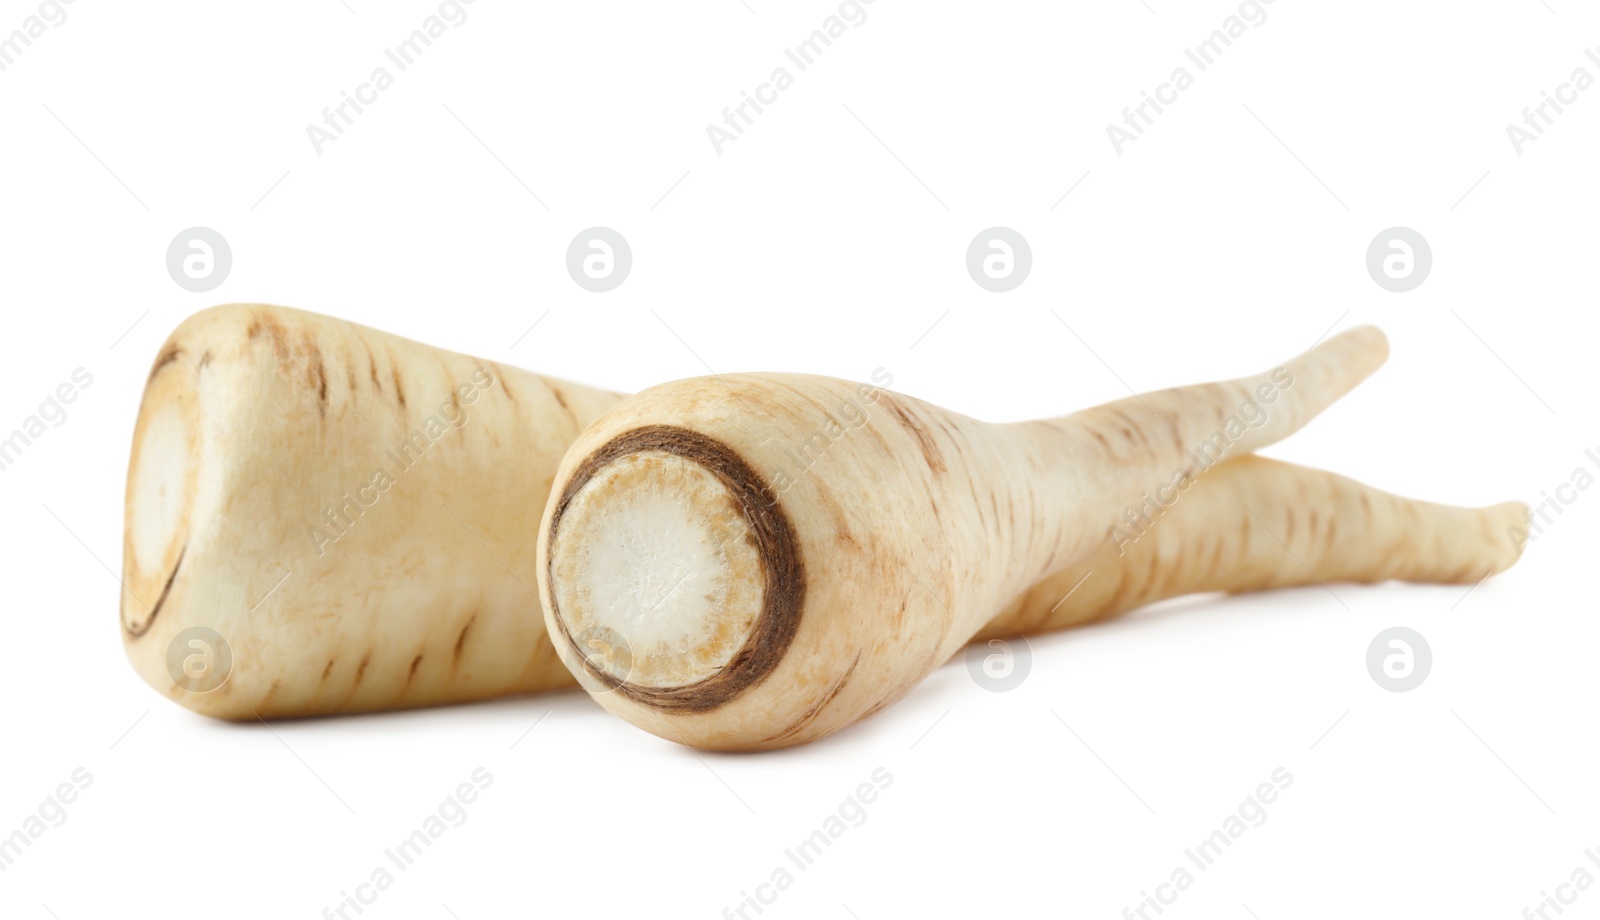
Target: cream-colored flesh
662,558
158,486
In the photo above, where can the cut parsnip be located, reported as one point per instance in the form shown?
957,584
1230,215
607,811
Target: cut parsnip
326,518
743,563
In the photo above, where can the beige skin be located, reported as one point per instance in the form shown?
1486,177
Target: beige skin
254,421
1253,524
418,591
756,561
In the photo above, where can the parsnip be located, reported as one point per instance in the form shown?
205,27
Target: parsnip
712,593
1252,524
351,512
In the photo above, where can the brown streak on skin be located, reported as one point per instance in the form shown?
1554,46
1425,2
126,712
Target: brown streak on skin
461,641
167,589
977,503
784,574
950,432
327,670
930,450
361,672
413,672
275,330
817,707
1129,427
562,399
318,373
205,358
372,366
891,697
169,355
399,391
841,526
500,375
882,441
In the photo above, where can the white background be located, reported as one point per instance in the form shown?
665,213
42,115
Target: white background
830,238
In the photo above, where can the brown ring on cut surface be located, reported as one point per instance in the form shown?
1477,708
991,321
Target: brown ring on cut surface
783,593
163,479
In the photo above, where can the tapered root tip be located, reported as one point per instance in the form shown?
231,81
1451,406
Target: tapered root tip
673,579
1474,544
1508,521
1359,351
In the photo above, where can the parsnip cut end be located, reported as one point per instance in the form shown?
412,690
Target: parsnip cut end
162,484
655,571
156,509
